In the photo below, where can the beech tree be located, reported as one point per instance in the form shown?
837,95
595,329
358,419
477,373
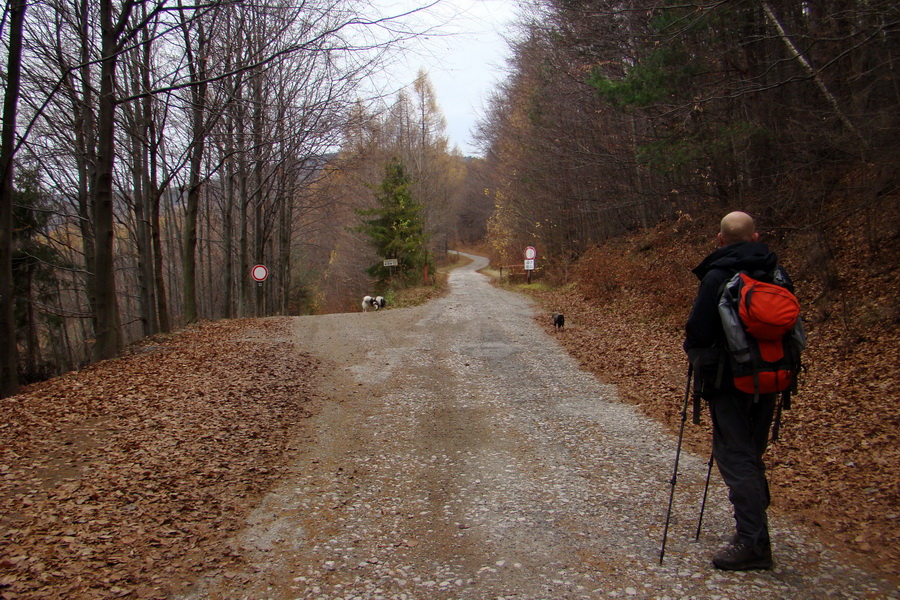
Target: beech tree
9,356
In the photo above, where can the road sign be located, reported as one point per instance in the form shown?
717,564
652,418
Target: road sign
530,254
259,273
529,265
391,262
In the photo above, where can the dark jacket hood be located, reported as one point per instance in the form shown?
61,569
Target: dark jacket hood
743,256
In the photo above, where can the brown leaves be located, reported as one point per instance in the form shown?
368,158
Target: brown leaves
113,478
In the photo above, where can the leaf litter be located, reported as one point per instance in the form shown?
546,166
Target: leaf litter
119,480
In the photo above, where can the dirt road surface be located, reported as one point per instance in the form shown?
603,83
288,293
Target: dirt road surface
463,454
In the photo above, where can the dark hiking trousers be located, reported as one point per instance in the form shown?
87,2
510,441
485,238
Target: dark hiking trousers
740,437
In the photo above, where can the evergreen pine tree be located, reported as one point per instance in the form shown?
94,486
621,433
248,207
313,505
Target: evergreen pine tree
396,227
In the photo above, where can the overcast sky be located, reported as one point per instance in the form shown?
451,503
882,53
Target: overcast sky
464,56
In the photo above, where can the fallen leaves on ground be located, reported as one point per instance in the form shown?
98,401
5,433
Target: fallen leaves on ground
126,478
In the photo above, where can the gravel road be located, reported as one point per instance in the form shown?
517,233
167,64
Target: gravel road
463,454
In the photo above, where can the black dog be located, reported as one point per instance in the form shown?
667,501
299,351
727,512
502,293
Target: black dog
559,321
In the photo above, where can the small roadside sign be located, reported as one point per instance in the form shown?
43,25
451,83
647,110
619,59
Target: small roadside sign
530,254
529,265
391,262
259,273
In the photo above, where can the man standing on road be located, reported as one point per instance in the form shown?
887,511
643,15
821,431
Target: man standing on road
740,423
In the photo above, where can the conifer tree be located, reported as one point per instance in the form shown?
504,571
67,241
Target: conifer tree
396,228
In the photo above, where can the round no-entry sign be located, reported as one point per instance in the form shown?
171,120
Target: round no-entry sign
530,253
259,272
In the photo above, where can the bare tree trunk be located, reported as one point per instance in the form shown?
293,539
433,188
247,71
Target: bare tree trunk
258,196
259,239
147,308
284,262
162,306
210,295
143,192
197,64
85,332
190,248
243,201
86,158
244,260
67,339
228,226
175,248
9,354
155,194
108,335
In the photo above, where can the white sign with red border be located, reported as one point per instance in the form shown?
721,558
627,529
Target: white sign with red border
530,253
259,273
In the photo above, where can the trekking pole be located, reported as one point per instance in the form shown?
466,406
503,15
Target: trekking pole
705,492
687,395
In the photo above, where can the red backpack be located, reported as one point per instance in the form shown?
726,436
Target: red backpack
764,333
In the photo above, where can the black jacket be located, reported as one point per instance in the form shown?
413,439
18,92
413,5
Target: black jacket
704,335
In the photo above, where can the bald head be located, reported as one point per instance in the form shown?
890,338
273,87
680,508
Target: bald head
737,227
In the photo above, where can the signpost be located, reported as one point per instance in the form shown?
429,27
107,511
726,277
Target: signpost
259,273
530,254
391,263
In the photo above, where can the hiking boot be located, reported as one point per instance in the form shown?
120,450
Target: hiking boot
740,556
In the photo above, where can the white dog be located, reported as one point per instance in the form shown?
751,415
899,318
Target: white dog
375,302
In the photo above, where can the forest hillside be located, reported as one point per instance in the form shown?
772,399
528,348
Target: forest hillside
836,465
